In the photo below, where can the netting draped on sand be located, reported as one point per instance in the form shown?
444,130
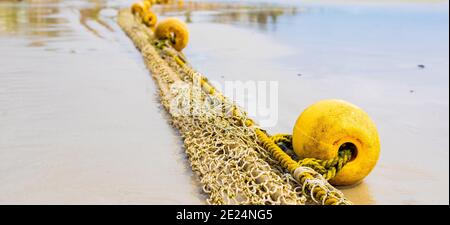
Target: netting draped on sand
223,151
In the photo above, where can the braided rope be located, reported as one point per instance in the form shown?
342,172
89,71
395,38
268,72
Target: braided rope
327,168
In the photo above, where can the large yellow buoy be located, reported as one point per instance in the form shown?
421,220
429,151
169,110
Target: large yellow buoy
329,126
174,30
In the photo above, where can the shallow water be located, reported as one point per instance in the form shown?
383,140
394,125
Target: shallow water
80,121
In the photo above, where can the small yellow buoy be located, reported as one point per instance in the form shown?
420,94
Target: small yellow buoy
174,30
162,2
139,8
329,126
150,19
147,4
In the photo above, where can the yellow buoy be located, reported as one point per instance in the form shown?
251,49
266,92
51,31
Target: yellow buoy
162,1
139,8
150,19
329,126
147,4
174,30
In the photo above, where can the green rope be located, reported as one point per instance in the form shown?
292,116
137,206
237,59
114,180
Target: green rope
328,168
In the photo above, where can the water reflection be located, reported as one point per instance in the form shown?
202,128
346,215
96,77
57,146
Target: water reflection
92,14
47,18
40,19
260,16
44,17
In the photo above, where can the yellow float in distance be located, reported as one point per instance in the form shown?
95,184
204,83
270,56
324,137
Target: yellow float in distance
175,31
139,8
328,126
150,19
147,4
162,1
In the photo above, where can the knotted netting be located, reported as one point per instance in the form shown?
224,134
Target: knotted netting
223,149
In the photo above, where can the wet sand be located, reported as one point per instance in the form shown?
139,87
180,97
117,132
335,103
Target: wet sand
80,120
80,117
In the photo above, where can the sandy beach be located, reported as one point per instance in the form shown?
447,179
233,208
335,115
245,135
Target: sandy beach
81,123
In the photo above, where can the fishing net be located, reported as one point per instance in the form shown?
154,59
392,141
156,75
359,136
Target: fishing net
222,148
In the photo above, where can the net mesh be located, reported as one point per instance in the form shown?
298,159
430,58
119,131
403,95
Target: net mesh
225,154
